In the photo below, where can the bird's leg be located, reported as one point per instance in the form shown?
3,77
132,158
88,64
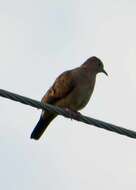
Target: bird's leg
73,113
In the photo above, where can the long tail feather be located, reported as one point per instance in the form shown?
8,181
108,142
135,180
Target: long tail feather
41,126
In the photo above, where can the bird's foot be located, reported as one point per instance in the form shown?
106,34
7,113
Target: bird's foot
73,113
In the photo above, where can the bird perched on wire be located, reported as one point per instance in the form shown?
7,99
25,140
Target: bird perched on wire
71,90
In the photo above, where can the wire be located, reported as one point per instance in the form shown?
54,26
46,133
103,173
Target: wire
65,113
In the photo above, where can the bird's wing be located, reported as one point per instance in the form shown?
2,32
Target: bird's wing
62,86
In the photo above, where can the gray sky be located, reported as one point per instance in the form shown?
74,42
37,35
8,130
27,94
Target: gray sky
38,41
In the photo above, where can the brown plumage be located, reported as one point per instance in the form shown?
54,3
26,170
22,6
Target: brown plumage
72,90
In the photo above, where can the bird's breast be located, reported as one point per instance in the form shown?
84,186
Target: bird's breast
79,96
83,97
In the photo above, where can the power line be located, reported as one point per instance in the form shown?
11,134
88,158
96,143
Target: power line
60,111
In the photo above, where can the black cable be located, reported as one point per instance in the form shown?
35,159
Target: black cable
60,111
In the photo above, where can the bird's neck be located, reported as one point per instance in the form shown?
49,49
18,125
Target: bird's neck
90,73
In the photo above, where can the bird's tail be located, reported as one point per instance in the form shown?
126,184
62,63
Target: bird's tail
41,126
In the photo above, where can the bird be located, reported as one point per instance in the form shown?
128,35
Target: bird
71,90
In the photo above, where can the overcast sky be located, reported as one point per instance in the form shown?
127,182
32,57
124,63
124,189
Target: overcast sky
38,41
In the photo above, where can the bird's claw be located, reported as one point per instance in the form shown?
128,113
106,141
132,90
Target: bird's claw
73,114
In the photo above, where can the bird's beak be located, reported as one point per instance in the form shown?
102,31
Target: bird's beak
103,71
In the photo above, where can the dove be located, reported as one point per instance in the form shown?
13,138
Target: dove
71,90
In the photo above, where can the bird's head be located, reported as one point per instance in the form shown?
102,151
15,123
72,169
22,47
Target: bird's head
95,65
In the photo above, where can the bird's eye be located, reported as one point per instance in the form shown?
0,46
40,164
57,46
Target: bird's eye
99,64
